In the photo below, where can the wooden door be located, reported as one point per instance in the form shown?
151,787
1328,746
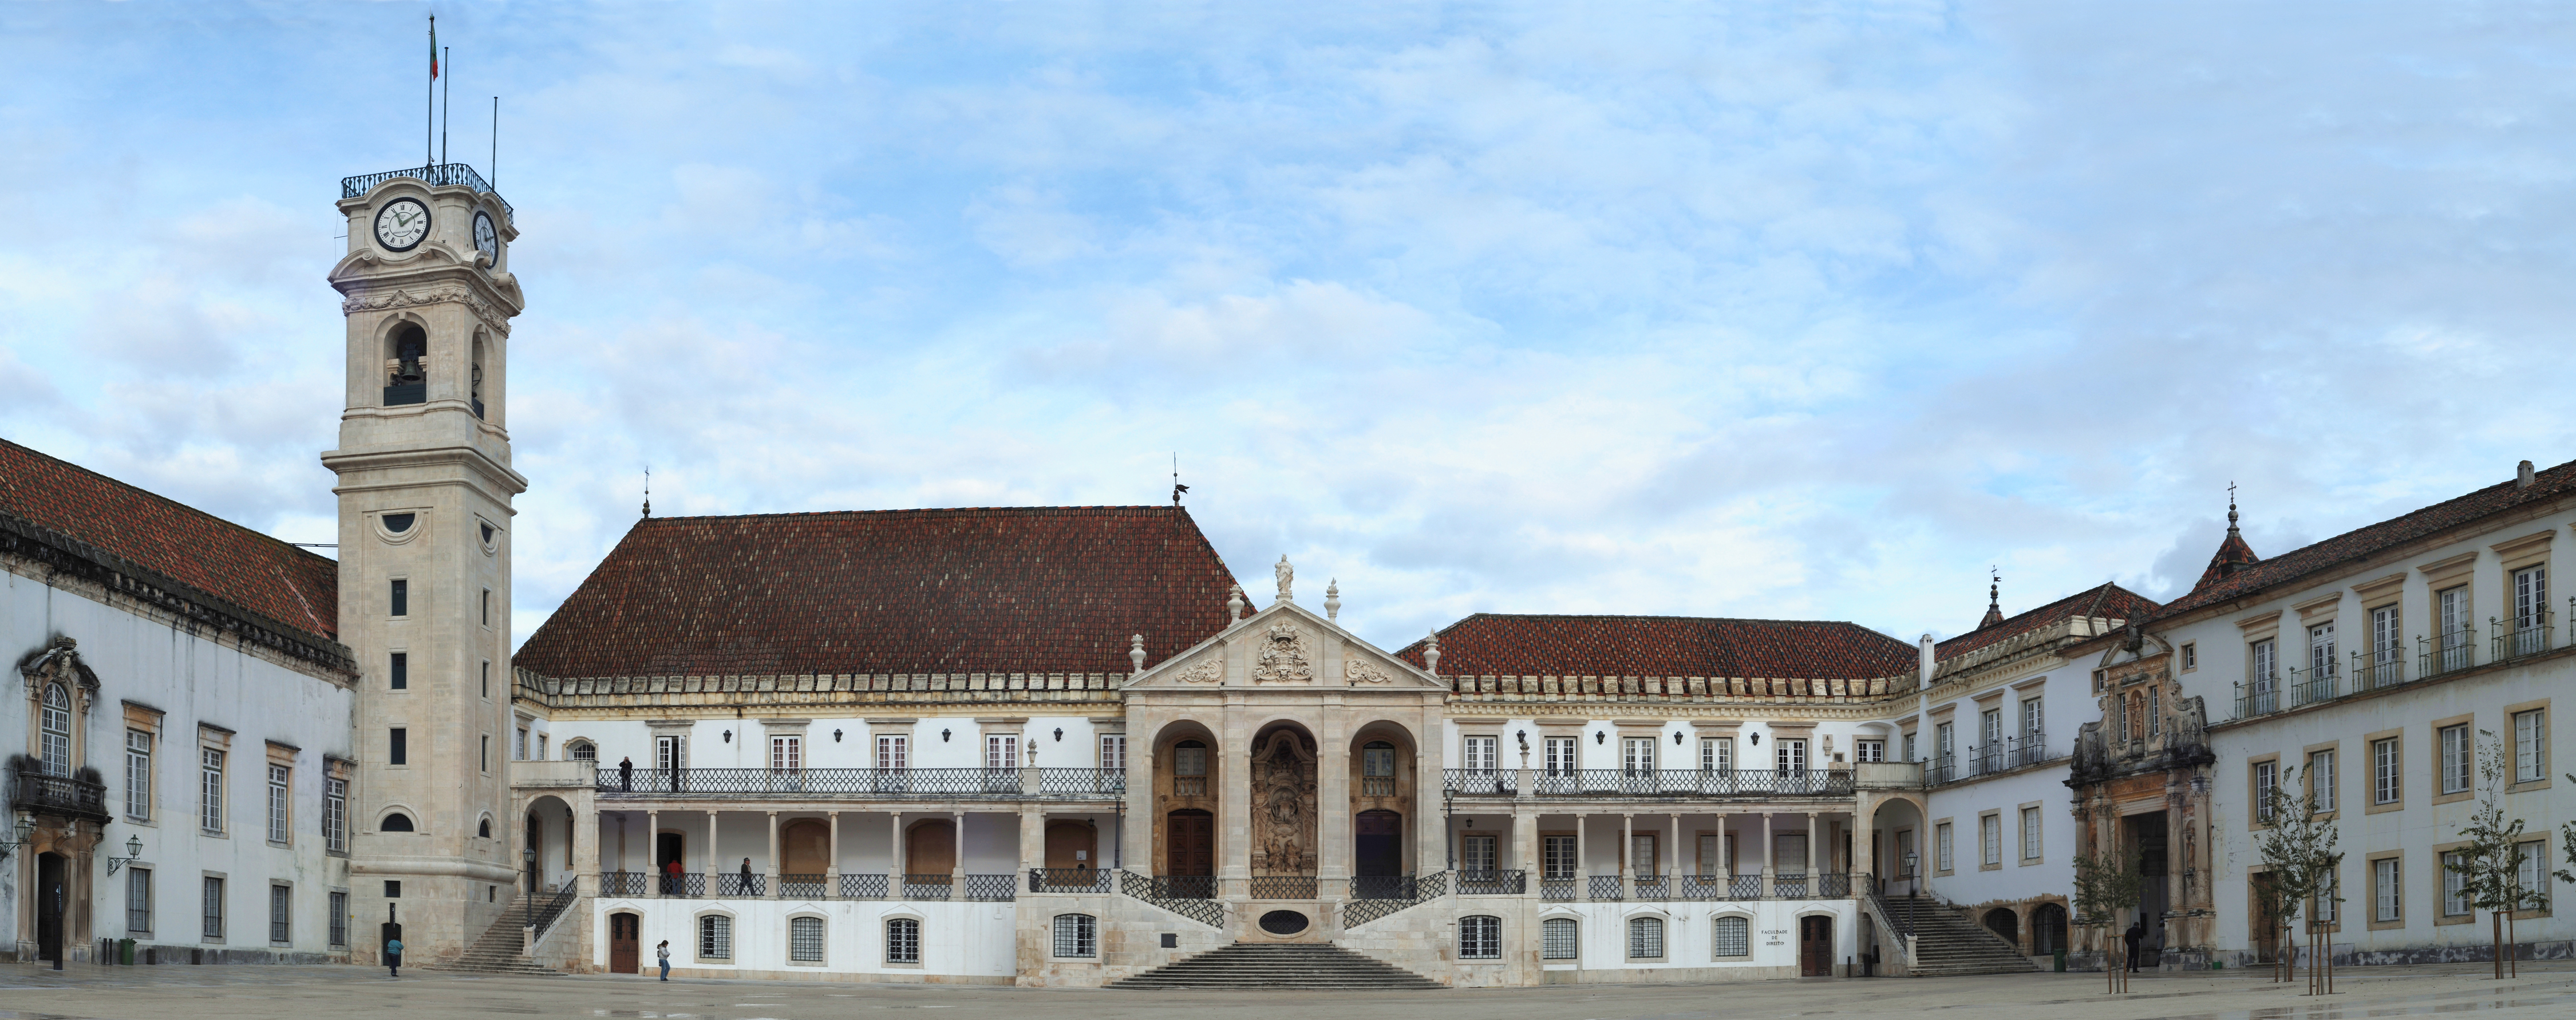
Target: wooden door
2267,925
623,949
930,848
1072,846
1815,947
1377,844
807,846
1189,846
52,902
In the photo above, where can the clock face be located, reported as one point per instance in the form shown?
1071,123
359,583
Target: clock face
487,240
401,224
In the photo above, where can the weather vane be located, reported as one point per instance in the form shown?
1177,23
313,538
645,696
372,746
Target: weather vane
1177,487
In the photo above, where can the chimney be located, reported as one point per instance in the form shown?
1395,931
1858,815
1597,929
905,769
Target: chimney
2522,475
1924,667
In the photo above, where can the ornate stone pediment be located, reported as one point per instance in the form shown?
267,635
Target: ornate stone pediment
1209,669
1286,655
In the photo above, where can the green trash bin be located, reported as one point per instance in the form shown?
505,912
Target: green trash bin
125,952
2061,961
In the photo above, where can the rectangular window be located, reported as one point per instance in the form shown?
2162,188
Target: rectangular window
335,815
1945,741
1709,859
1560,759
2455,884
2321,779
2321,651
1941,847
487,678
1645,938
1730,937
2030,834
401,597
339,920
138,901
281,911
673,752
398,671
2387,638
541,747
138,775
2385,784
2459,759
210,796
398,746
2531,876
1643,852
1556,855
2265,675
1557,939
1001,752
786,753
1637,755
1480,938
487,607
1990,727
2530,599
2329,900
2155,711
2531,746
1990,839
715,937
2034,720
279,829
1476,853
2386,892
1869,750
2453,605
1480,753
903,941
1192,761
805,939
1717,754
486,756
1909,749
2190,656
2267,779
1077,936
214,910
1113,752
519,749
1790,755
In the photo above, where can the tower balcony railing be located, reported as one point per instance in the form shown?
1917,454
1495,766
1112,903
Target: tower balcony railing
865,784
1693,783
43,793
435,175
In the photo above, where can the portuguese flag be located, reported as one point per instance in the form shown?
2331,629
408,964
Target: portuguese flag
433,46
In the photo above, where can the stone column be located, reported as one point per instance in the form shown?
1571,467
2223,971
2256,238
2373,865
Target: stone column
1525,840
957,857
832,854
1333,850
1582,857
585,846
1233,804
1032,839
894,862
1812,877
653,846
1767,871
715,860
1673,852
1627,852
774,867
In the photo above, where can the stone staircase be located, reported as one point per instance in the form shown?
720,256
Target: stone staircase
499,951
1952,945
1280,965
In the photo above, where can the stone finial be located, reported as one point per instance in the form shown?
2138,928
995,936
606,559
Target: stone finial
1234,604
1431,654
1286,574
1333,599
1136,653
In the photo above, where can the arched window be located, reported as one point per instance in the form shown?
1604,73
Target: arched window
582,750
1730,938
1480,938
56,749
474,386
805,939
1377,769
1558,938
1645,938
483,828
408,380
395,822
903,940
1189,758
715,937
1077,936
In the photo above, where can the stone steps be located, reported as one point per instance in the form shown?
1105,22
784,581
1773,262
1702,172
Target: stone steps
1280,965
499,950
1950,945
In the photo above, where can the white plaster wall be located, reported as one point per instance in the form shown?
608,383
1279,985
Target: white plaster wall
960,942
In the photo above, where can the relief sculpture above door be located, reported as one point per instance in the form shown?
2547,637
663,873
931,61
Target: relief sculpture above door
1283,817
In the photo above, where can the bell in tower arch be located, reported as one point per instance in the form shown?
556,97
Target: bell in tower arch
408,376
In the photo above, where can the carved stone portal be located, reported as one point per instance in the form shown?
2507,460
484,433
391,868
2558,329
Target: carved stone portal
1285,657
1283,798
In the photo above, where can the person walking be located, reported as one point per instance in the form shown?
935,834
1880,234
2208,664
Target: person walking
747,889
664,952
2137,933
393,956
626,775
671,877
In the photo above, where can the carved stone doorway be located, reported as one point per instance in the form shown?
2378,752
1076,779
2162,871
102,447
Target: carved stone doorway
1283,802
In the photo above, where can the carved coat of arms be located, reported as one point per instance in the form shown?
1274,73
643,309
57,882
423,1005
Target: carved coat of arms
1284,657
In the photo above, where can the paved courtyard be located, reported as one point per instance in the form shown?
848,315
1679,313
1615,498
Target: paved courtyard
220,993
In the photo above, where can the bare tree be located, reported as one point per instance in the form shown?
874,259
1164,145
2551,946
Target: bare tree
2299,852
2106,884
2490,865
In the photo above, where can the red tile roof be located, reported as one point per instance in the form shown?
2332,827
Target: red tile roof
1034,589
2233,555
1495,644
2323,557
2110,601
290,587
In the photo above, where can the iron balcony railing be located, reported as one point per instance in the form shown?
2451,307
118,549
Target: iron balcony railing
2263,697
803,887
1695,783
1989,759
928,887
687,883
543,912
1510,882
2320,684
1943,769
1189,786
863,887
1155,891
1280,887
434,175
1481,782
1607,887
1384,887
1359,911
2373,670
624,883
1068,880
1556,890
1654,887
1788,886
43,793
992,888
1185,887
2523,635
2451,655
735,884
869,784
2029,749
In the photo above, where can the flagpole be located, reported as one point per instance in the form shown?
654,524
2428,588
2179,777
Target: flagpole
494,167
450,109
429,118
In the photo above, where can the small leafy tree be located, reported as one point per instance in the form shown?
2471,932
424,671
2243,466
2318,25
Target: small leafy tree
2490,865
2299,851
2106,884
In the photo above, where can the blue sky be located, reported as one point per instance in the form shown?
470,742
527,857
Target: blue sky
1808,311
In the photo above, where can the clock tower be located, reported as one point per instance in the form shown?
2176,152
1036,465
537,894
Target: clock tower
424,490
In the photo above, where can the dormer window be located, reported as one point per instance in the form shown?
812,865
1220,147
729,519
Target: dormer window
407,373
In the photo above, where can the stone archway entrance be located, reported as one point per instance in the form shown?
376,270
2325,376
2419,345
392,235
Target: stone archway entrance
1283,802
52,896
1189,852
1377,844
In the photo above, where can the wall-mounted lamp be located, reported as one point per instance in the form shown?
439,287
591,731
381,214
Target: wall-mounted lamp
1677,738
1059,734
1756,738
1471,823
133,852
1600,737
26,832
943,736
836,736
728,736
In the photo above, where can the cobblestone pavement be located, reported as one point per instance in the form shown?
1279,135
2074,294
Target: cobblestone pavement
221,993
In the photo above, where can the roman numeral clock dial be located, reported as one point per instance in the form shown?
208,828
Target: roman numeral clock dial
487,240
401,224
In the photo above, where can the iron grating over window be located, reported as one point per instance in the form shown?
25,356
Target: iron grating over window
1077,936
1480,938
903,941
1729,937
1557,938
715,937
805,939
1645,938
